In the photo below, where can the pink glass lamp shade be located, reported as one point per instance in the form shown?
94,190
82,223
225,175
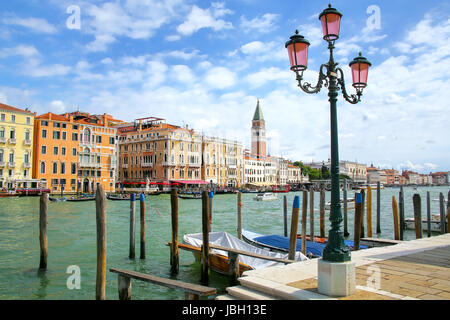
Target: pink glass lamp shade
360,71
331,23
298,52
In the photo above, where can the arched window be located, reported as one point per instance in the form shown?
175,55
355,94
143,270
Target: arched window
87,135
86,155
42,167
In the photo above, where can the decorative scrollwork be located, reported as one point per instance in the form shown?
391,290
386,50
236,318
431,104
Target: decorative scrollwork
354,98
308,88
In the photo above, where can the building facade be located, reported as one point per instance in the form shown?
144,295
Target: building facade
16,146
75,152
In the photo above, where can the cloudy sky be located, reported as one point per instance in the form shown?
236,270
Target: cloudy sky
205,63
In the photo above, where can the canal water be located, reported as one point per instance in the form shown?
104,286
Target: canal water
72,240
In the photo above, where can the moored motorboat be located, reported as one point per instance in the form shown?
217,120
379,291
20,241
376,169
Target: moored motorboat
435,223
52,199
190,197
116,197
81,199
268,196
218,259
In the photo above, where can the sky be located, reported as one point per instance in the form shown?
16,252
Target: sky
205,64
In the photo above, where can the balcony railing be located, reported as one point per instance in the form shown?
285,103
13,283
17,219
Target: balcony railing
125,166
27,142
27,165
11,164
3,140
147,165
90,165
12,141
2,164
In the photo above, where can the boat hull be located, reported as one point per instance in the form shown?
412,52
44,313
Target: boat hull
434,224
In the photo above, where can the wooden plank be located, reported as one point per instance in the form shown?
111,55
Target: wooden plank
169,283
251,254
100,201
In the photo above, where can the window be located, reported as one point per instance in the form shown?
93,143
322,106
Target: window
99,139
55,151
27,135
74,168
56,125
56,135
64,125
75,127
13,118
3,117
44,150
99,174
111,140
12,133
44,133
2,132
11,173
63,151
74,136
55,168
26,158
28,120
74,152
64,135
44,123
11,157
63,168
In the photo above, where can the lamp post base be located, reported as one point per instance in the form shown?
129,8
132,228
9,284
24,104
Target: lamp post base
336,279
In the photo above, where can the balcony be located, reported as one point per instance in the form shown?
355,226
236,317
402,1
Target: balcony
90,165
2,164
170,164
11,164
125,166
27,165
12,141
3,140
147,165
27,142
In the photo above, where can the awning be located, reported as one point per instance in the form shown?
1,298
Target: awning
190,181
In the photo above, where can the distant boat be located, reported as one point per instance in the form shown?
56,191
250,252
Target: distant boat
81,199
268,196
445,200
435,223
190,197
52,199
116,197
349,201
372,186
279,190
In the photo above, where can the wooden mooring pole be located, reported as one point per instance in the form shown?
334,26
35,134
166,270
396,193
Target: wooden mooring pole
142,207
205,247
363,192
211,197
369,212
100,202
285,209
357,221
294,228
401,200
304,215
174,251
132,226
417,215
322,213
239,215
43,221
311,215
448,212
428,214
378,207
396,218
442,212
344,194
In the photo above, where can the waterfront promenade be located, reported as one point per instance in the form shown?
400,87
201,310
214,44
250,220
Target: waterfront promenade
411,270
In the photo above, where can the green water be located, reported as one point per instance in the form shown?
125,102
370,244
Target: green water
72,240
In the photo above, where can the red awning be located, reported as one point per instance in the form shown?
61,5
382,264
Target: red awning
190,181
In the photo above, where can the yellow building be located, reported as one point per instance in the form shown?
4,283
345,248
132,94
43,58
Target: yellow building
16,145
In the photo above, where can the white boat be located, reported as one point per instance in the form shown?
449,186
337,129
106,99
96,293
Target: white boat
350,204
437,200
372,186
268,196
219,258
435,223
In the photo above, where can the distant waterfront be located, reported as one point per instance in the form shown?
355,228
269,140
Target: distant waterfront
72,238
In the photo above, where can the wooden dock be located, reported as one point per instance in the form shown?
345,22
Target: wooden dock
417,269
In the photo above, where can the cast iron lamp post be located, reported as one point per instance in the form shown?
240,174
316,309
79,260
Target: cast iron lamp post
332,77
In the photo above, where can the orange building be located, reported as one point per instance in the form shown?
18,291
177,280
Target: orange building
75,152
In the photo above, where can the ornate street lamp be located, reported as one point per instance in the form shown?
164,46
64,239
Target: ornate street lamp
332,77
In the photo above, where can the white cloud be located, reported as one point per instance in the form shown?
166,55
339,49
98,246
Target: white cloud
271,75
220,78
205,18
263,24
21,50
34,24
58,107
265,51
35,69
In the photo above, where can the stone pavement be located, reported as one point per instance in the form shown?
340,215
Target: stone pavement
417,269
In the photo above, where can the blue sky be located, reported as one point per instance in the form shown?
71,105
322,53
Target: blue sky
205,63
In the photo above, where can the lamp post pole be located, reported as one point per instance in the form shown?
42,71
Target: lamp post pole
336,275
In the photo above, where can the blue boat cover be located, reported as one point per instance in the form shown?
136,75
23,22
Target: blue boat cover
315,248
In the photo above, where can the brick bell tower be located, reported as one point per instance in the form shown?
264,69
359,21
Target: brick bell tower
259,134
